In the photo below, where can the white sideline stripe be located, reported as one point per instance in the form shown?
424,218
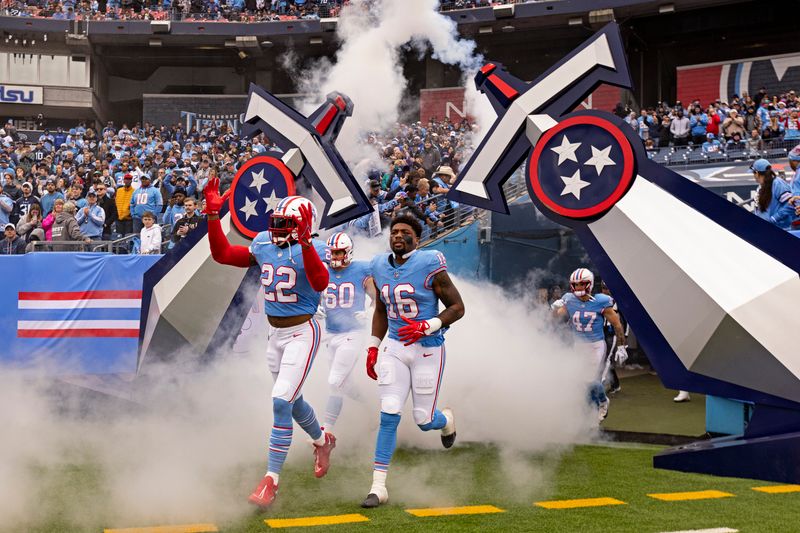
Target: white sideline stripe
78,324
712,530
80,304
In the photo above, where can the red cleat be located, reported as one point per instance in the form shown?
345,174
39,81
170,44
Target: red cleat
265,493
322,455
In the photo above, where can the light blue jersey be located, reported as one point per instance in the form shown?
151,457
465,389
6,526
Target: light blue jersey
287,291
407,290
346,296
586,318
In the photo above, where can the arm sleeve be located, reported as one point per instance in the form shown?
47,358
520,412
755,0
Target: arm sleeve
785,213
223,252
98,216
79,216
315,269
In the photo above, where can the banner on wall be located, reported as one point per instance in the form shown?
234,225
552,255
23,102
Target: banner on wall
449,103
72,313
711,81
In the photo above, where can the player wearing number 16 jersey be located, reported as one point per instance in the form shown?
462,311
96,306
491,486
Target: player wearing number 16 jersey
409,284
293,277
586,313
344,301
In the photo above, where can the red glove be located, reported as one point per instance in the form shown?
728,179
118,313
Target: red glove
214,201
413,331
304,223
372,360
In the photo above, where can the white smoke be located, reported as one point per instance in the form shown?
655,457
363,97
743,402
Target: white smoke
368,66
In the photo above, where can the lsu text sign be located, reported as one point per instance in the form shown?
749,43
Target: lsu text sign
20,94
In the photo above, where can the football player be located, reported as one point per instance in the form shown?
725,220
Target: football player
586,314
409,284
293,276
344,301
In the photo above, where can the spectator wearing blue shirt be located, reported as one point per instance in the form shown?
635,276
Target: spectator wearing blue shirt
49,197
145,198
773,195
698,122
91,218
763,114
712,145
6,208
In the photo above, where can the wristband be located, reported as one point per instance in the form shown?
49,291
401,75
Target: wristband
374,342
434,325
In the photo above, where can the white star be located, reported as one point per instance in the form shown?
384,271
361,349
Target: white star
272,201
249,208
566,150
258,180
574,184
600,159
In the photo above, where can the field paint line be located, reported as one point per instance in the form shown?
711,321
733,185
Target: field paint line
577,504
449,511
331,520
778,489
712,530
184,528
685,496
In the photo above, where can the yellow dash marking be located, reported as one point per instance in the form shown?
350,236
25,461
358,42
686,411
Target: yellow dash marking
683,496
448,511
316,520
575,504
185,528
778,489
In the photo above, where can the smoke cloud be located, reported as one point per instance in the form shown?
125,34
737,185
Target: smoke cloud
368,65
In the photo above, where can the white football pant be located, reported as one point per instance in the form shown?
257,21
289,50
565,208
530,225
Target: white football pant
290,354
415,369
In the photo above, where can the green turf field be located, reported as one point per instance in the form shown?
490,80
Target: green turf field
476,475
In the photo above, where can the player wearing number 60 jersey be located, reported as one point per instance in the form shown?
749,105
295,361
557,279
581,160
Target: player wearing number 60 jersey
585,313
410,283
344,301
293,277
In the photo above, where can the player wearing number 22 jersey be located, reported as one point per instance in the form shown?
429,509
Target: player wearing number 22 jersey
344,301
293,276
409,283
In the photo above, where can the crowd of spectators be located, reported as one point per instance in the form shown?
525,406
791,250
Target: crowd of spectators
83,184
743,123
87,185
214,10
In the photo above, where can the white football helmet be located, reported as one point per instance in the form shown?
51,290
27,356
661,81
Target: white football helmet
581,277
340,241
282,222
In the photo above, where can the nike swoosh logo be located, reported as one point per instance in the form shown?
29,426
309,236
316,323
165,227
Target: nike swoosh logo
296,334
427,354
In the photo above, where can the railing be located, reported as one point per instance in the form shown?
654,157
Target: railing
464,215
122,245
679,156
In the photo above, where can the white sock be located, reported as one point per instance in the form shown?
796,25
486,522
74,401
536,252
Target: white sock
274,476
321,440
379,479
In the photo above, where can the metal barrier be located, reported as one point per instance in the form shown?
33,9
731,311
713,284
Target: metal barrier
679,156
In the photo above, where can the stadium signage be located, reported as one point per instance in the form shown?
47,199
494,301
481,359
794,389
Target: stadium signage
201,121
20,94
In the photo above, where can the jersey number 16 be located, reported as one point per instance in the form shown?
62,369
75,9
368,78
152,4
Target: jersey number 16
401,304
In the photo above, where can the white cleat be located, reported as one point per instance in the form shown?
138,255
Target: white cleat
683,396
449,429
377,496
602,410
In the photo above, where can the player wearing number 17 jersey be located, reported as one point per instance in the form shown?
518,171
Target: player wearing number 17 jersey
585,313
409,283
344,301
293,277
